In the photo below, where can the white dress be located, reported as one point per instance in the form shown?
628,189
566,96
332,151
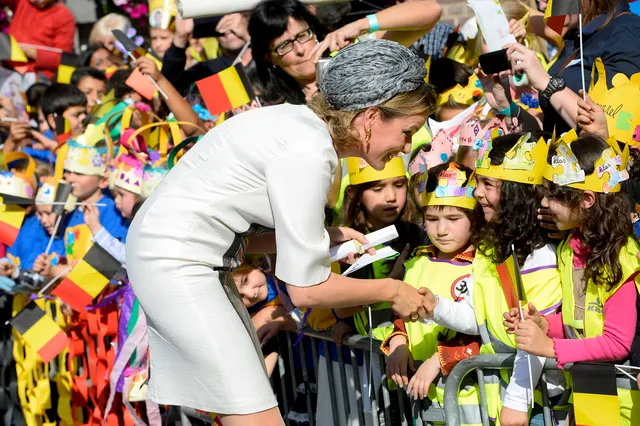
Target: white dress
271,167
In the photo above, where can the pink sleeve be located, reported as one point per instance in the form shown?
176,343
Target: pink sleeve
620,317
555,326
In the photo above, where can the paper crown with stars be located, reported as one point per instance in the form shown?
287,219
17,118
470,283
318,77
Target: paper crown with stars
361,172
525,162
463,95
610,169
18,178
87,154
451,189
621,103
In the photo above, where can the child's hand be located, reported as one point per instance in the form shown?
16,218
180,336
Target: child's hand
48,144
149,67
42,265
269,330
591,118
397,273
7,269
512,320
399,359
339,330
517,29
509,417
532,339
19,131
426,374
92,217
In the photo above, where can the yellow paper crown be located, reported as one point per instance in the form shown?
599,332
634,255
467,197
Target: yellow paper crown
161,13
524,163
18,179
451,190
609,169
466,95
86,155
47,191
361,172
621,103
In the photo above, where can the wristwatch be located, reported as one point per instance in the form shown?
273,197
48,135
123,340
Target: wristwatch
555,84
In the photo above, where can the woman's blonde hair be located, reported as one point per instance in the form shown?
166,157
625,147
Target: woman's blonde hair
340,123
104,25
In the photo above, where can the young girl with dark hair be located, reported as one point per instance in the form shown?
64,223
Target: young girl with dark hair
597,262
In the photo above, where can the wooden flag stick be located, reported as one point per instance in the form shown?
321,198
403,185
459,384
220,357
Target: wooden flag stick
238,58
53,235
38,47
56,278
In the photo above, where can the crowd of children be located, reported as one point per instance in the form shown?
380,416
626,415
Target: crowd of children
485,189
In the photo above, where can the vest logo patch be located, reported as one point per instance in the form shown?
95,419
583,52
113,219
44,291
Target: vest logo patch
460,288
595,306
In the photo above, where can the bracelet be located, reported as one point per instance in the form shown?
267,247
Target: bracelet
511,111
373,23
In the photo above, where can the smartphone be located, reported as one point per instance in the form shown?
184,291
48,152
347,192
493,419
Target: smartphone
206,27
495,62
321,68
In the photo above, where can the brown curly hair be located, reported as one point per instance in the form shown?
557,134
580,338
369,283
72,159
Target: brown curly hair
604,230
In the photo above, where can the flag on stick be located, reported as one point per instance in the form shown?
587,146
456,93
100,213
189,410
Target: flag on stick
226,90
9,49
68,63
40,332
595,394
11,218
63,129
556,12
511,280
87,278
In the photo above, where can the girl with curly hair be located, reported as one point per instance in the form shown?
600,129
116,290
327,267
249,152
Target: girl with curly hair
598,263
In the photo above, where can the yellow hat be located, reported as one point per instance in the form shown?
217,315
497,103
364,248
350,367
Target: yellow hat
609,169
466,95
361,172
524,163
621,104
451,190
162,13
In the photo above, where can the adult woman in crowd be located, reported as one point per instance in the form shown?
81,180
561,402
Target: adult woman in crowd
284,34
610,32
247,174
101,35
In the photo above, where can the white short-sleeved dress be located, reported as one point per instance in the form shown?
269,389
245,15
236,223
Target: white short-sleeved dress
270,167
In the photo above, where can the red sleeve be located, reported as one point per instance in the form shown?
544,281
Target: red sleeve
62,40
620,316
555,326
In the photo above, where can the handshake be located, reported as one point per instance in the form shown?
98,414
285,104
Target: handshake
411,304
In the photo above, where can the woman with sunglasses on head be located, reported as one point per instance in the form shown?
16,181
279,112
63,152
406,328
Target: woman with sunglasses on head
288,40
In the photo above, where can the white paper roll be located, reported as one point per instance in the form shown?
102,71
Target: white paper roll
204,8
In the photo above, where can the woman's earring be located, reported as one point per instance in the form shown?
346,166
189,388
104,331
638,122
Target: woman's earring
367,136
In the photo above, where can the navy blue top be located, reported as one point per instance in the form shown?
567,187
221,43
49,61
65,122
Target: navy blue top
617,43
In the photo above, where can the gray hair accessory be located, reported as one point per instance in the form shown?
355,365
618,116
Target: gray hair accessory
370,73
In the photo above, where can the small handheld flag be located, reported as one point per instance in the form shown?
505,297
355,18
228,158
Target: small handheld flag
40,332
63,129
556,12
87,278
511,280
9,49
11,218
226,90
595,394
68,63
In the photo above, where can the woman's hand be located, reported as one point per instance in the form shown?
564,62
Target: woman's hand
426,374
339,235
399,362
236,23
411,304
591,118
517,29
525,61
532,339
147,66
339,39
509,417
546,221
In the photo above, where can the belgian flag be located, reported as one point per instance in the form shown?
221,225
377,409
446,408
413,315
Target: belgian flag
511,280
226,90
68,63
11,218
40,332
87,278
595,394
557,10
9,49
63,129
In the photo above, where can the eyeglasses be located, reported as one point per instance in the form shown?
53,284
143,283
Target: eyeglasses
287,46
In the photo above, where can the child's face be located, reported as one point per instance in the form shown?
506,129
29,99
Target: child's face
41,4
76,116
160,40
385,201
101,59
85,186
562,215
252,286
46,217
449,229
93,89
488,195
125,200
43,126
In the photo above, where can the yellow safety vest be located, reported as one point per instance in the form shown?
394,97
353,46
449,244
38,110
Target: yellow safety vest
543,288
449,280
593,324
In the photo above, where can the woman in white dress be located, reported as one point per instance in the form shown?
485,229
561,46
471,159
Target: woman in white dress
267,168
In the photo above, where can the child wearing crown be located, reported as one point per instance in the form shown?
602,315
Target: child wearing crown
598,262
450,218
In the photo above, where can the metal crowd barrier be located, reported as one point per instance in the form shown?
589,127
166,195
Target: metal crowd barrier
295,381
